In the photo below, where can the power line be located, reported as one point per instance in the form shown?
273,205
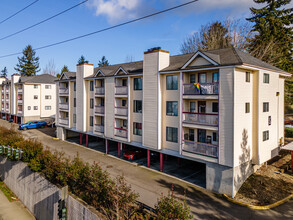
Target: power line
43,21
11,16
106,29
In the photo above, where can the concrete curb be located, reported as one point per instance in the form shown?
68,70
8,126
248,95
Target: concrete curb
266,207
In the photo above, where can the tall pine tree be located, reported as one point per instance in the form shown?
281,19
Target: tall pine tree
28,64
272,42
4,72
103,62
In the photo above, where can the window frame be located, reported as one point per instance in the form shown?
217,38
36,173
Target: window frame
247,76
36,107
48,97
91,121
91,86
136,85
247,107
46,107
265,135
266,78
174,111
136,128
266,107
172,85
36,96
91,103
48,87
174,135
135,109
36,86
217,74
215,107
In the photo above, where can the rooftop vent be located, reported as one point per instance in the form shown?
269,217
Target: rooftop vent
153,49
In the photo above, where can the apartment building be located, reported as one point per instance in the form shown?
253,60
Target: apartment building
26,98
222,108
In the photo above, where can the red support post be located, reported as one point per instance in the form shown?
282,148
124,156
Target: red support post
16,119
292,161
149,158
178,161
80,139
86,140
107,146
119,149
161,162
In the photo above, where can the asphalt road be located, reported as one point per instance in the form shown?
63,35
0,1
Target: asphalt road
150,184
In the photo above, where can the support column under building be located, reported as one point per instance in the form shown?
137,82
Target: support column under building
86,140
149,158
119,149
161,162
107,146
80,139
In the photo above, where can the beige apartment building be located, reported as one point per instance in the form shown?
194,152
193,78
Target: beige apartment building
26,98
222,108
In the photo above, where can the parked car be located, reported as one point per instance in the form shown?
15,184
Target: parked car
32,124
133,154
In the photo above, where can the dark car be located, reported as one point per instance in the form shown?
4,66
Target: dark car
32,124
133,154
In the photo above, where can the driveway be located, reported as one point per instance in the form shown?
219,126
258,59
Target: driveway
150,183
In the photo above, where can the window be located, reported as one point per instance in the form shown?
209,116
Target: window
215,77
102,102
124,82
265,107
191,135
172,82
202,77
74,86
102,121
91,103
74,102
47,86
35,107
172,134
137,106
247,77
266,78
192,107
74,118
91,121
35,97
48,107
124,124
215,137
48,97
247,107
137,128
28,108
102,83
215,107
124,103
192,78
137,83
172,108
91,85
265,135
35,86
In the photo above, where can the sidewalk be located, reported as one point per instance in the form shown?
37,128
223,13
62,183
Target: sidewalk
150,184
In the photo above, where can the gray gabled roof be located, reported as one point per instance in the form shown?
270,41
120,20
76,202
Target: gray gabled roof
43,78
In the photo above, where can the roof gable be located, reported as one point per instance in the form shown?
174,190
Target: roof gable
120,71
99,73
63,76
199,59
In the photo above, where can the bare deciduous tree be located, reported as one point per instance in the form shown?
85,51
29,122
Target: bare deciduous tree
50,68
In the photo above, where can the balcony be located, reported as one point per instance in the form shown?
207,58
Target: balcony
64,106
100,91
99,128
7,90
63,91
121,132
200,148
204,89
19,101
19,90
201,118
63,121
19,112
99,109
121,90
121,111
2,91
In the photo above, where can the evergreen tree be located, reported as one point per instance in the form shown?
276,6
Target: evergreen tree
103,62
28,64
82,60
4,72
272,42
64,69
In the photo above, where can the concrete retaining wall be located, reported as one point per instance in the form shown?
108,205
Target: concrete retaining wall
38,194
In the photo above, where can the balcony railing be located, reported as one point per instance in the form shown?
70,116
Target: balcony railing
19,112
19,90
121,90
99,128
7,90
121,111
64,91
121,132
19,101
100,109
63,121
64,106
201,118
100,91
201,148
204,89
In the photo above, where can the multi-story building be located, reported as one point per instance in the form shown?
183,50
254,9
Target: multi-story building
26,98
223,108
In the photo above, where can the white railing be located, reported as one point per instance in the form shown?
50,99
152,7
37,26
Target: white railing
19,101
100,91
19,112
120,132
201,118
99,128
121,90
7,90
19,90
63,91
63,121
200,148
64,106
122,111
100,109
204,89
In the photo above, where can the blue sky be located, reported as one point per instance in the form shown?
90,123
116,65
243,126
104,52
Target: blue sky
167,31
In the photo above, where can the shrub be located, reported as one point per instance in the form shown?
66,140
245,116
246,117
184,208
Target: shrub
288,132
